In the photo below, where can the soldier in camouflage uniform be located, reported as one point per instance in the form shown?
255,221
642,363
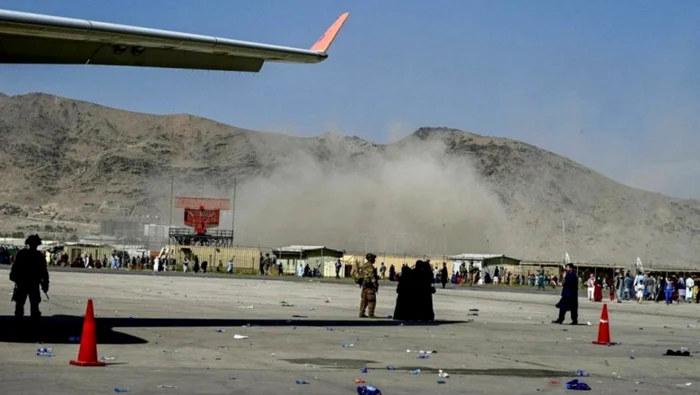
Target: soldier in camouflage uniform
29,273
369,281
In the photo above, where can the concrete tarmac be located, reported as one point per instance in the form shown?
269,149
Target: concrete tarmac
159,335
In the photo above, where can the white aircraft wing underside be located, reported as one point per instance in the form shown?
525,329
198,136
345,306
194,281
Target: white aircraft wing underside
44,39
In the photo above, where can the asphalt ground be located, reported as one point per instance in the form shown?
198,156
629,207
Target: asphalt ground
159,335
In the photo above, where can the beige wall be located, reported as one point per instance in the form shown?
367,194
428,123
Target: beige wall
514,269
534,269
246,259
96,252
398,261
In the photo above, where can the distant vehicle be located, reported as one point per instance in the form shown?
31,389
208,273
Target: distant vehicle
28,38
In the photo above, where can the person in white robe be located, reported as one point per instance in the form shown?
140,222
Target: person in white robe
590,284
689,284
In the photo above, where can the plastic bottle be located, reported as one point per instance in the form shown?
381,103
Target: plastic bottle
581,373
300,382
45,352
417,371
119,390
390,367
368,390
576,385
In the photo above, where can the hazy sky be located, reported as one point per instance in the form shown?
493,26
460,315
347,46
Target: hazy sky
614,85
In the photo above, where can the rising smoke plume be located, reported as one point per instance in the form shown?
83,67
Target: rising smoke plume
407,197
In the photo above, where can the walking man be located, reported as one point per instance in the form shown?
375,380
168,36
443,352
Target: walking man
569,297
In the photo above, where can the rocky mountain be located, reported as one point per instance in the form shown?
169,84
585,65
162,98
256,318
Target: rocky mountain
438,190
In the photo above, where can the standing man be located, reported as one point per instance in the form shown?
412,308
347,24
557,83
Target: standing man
338,266
569,297
368,279
280,268
265,269
29,273
540,278
619,285
590,285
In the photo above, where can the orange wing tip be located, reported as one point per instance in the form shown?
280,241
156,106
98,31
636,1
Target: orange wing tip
327,38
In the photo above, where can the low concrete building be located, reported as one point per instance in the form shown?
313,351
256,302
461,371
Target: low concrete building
319,257
485,262
96,250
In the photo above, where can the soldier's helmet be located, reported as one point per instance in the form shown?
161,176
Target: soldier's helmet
370,257
33,240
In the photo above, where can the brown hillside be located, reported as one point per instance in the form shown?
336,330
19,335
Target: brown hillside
71,161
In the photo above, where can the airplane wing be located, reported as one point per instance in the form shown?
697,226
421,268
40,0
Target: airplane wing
45,39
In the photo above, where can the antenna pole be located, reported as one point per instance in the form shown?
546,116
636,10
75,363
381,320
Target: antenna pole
444,235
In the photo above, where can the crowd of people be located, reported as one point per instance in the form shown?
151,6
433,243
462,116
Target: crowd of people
657,287
416,284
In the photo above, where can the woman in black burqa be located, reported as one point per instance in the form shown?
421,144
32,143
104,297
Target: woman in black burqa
424,291
404,310
415,294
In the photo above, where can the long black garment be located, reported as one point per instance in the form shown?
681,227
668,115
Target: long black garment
425,292
569,298
405,298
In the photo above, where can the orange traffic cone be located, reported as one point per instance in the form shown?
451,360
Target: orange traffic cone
604,328
87,355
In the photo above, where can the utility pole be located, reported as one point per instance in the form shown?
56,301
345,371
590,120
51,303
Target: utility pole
172,188
444,235
563,240
172,182
233,208
646,252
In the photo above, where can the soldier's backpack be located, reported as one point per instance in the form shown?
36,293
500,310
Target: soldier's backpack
357,275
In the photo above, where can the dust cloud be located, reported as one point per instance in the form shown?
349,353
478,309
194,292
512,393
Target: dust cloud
407,197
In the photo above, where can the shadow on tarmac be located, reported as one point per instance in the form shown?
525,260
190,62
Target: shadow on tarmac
59,329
